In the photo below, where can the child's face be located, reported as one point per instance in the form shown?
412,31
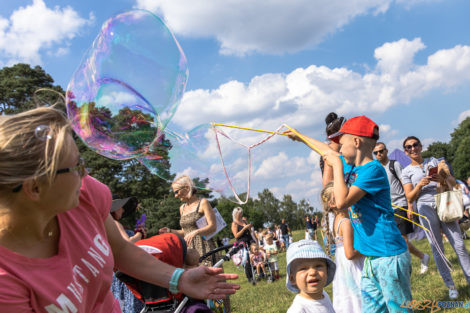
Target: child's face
269,240
348,147
309,275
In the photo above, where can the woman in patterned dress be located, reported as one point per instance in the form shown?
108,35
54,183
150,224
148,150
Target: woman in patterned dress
192,209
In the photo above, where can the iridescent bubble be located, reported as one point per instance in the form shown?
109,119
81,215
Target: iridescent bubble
42,132
128,86
122,97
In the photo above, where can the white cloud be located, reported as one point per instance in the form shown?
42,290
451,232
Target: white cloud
394,144
281,165
426,142
299,97
302,99
275,26
35,28
463,116
396,57
386,130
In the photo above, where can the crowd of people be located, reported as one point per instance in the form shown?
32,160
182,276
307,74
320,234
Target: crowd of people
372,205
60,227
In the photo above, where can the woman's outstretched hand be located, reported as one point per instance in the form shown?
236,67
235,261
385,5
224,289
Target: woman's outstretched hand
207,283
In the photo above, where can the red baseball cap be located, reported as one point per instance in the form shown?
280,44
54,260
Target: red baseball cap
359,126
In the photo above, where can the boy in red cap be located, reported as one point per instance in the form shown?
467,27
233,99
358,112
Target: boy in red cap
361,185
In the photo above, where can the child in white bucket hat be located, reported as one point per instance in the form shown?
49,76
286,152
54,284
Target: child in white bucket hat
309,270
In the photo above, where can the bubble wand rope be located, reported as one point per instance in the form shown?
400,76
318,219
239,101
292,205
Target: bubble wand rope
431,235
273,132
247,128
218,131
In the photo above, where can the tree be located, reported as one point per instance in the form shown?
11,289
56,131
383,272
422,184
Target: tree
456,152
225,207
18,85
459,134
288,211
461,162
438,150
269,206
460,149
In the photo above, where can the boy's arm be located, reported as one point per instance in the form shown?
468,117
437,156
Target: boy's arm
344,196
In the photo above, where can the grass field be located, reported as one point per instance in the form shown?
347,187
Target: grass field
274,297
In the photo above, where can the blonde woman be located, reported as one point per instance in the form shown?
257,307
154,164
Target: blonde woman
192,209
243,232
58,242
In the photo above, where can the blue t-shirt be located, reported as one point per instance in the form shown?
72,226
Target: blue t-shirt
375,230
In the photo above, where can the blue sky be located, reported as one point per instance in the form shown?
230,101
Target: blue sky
404,63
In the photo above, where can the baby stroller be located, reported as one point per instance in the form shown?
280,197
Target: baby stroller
267,270
242,257
171,249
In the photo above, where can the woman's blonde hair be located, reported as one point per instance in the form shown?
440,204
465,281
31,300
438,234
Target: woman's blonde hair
237,210
185,181
32,143
326,197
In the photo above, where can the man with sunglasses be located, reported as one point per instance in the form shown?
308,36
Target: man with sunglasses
397,194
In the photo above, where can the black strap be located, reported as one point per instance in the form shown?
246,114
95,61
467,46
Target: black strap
346,179
391,166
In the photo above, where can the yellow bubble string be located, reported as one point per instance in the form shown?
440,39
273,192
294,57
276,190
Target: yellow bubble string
273,132
431,235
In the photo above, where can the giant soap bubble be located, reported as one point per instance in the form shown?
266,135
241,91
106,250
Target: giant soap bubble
128,86
122,98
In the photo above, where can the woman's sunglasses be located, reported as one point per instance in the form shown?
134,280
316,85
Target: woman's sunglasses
409,147
79,168
177,191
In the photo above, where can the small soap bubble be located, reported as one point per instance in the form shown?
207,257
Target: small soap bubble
42,132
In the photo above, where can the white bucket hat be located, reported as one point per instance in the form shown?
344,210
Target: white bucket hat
307,249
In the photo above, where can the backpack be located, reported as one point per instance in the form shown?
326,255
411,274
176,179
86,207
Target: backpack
391,166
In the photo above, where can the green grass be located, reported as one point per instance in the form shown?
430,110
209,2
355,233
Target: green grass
275,297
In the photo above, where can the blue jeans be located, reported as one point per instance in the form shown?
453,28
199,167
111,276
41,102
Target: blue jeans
385,283
286,240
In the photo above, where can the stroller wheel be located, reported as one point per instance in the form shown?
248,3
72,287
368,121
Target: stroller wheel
253,281
269,280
